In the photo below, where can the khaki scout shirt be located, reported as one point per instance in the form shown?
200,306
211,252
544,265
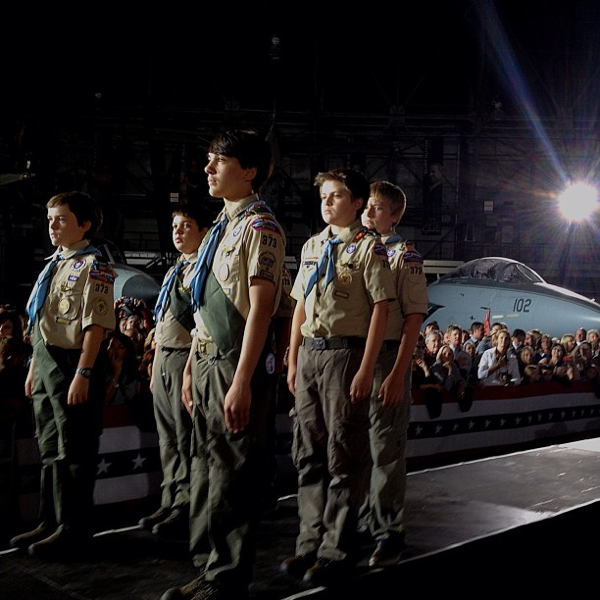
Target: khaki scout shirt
80,294
170,333
285,310
411,283
252,245
362,278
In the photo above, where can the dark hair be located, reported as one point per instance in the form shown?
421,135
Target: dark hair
13,317
354,181
130,363
249,148
83,206
192,210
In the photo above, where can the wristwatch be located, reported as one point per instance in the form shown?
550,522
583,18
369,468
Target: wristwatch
87,373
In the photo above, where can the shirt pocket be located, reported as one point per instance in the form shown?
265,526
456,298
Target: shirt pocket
67,304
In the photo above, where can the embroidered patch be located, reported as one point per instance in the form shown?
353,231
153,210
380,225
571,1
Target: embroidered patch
100,306
412,256
265,223
391,252
380,250
266,275
270,363
345,278
236,231
266,259
78,264
102,272
73,278
351,249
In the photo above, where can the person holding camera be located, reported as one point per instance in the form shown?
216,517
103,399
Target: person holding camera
498,366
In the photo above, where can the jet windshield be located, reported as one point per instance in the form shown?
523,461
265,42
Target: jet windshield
494,269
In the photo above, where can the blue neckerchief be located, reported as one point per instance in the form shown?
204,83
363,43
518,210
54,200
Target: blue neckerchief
165,290
327,255
42,284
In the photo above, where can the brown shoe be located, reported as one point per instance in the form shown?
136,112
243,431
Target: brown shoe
296,566
389,550
24,540
189,590
149,522
327,572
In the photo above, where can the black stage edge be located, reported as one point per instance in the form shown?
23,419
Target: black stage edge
519,523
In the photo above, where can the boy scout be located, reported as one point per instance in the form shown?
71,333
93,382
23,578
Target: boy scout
174,322
70,311
382,511
337,331
236,287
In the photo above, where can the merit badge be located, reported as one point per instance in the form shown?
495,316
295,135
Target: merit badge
99,305
267,260
64,305
270,363
351,249
223,271
345,278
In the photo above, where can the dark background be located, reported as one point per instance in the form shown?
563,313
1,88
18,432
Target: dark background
115,97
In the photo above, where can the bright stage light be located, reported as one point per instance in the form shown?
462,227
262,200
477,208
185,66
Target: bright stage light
578,202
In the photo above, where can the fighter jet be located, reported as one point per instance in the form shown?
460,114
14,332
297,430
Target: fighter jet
130,281
509,291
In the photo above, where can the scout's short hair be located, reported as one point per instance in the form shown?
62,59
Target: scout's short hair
393,194
83,206
354,181
192,210
249,148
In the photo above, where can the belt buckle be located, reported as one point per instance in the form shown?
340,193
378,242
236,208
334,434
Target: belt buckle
319,343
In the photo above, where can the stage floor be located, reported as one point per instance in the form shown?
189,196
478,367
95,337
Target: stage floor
517,522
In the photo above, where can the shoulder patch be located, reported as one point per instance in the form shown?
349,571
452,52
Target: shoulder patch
380,249
412,256
267,223
100,306
101,271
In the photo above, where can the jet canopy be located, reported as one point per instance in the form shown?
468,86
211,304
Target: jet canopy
503,270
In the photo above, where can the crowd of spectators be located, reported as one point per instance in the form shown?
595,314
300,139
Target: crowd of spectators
460,360
130,353
455,360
